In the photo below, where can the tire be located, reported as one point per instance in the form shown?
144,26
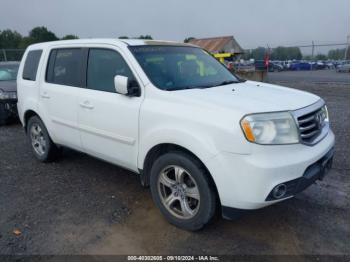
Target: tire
42,146
3,117
186,212
3,122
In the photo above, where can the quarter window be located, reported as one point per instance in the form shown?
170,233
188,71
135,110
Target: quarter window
31,65
103,66
65,66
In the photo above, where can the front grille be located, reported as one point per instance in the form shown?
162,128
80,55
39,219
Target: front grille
310,125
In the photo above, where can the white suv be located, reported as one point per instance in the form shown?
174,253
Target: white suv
203,139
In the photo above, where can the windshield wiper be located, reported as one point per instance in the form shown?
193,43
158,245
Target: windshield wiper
184,88
226,82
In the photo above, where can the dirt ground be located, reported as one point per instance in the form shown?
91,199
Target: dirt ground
80,205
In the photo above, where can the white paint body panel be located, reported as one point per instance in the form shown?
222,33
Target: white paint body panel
122,130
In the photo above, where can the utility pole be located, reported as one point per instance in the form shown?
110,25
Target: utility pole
312,53
347,47
4,53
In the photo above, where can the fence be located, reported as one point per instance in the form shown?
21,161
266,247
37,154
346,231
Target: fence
11,54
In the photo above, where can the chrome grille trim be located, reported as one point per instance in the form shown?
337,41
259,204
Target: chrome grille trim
310,133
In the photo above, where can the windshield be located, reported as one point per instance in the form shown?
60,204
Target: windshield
181,67
8,72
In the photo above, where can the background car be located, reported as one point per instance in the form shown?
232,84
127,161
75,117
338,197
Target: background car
273,67
8,91
296,66
343,68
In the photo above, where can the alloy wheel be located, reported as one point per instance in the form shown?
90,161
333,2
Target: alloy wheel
179,192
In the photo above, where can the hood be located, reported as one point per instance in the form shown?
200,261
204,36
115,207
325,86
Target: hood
8,86
249,97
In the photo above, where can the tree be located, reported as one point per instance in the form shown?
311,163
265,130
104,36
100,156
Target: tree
123,37
336,54
10,39
26,41
321,57
188,39
286,53
258,53
69,37
307,57
41,34
148,37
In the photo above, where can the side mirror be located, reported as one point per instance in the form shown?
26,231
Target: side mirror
121,84
124,86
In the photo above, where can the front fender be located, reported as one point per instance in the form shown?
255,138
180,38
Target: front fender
200,145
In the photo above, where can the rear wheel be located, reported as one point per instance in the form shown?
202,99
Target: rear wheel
42,146
183,191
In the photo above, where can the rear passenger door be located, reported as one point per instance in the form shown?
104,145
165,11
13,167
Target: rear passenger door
59,95
109,121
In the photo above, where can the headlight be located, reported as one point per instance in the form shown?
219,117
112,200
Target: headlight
7,95
270,128
324,114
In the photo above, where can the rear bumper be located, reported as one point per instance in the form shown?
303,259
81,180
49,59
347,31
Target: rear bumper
246,181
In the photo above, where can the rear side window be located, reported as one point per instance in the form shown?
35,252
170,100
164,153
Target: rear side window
65,66
31,65
103,66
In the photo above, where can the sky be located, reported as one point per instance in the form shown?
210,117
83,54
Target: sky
252,22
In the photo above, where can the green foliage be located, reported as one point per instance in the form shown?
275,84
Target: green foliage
258,53
41,34
26,41
321,57
10,39
69,37
286,53
148,37
188,39
140,37
308,57
279,53
336,54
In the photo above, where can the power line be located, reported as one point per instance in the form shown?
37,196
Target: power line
311,45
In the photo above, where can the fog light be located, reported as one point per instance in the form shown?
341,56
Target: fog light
279,191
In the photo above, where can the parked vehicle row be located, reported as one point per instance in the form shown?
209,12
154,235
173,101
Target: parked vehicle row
293,65
344,68
8,91
200,137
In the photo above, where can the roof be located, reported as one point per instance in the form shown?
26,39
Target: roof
217,44
131,42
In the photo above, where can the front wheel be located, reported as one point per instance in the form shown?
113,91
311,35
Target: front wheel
182,190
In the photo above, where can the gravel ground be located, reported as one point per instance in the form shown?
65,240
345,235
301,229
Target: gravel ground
80,205
318,76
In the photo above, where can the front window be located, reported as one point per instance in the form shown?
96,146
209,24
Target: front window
181,67
8,72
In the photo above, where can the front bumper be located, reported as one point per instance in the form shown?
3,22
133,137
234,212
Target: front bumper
8,109
246,181
314,172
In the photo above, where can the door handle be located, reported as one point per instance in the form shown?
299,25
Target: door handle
45,95
86,104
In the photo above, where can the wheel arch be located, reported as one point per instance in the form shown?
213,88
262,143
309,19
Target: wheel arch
27,115
163,148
